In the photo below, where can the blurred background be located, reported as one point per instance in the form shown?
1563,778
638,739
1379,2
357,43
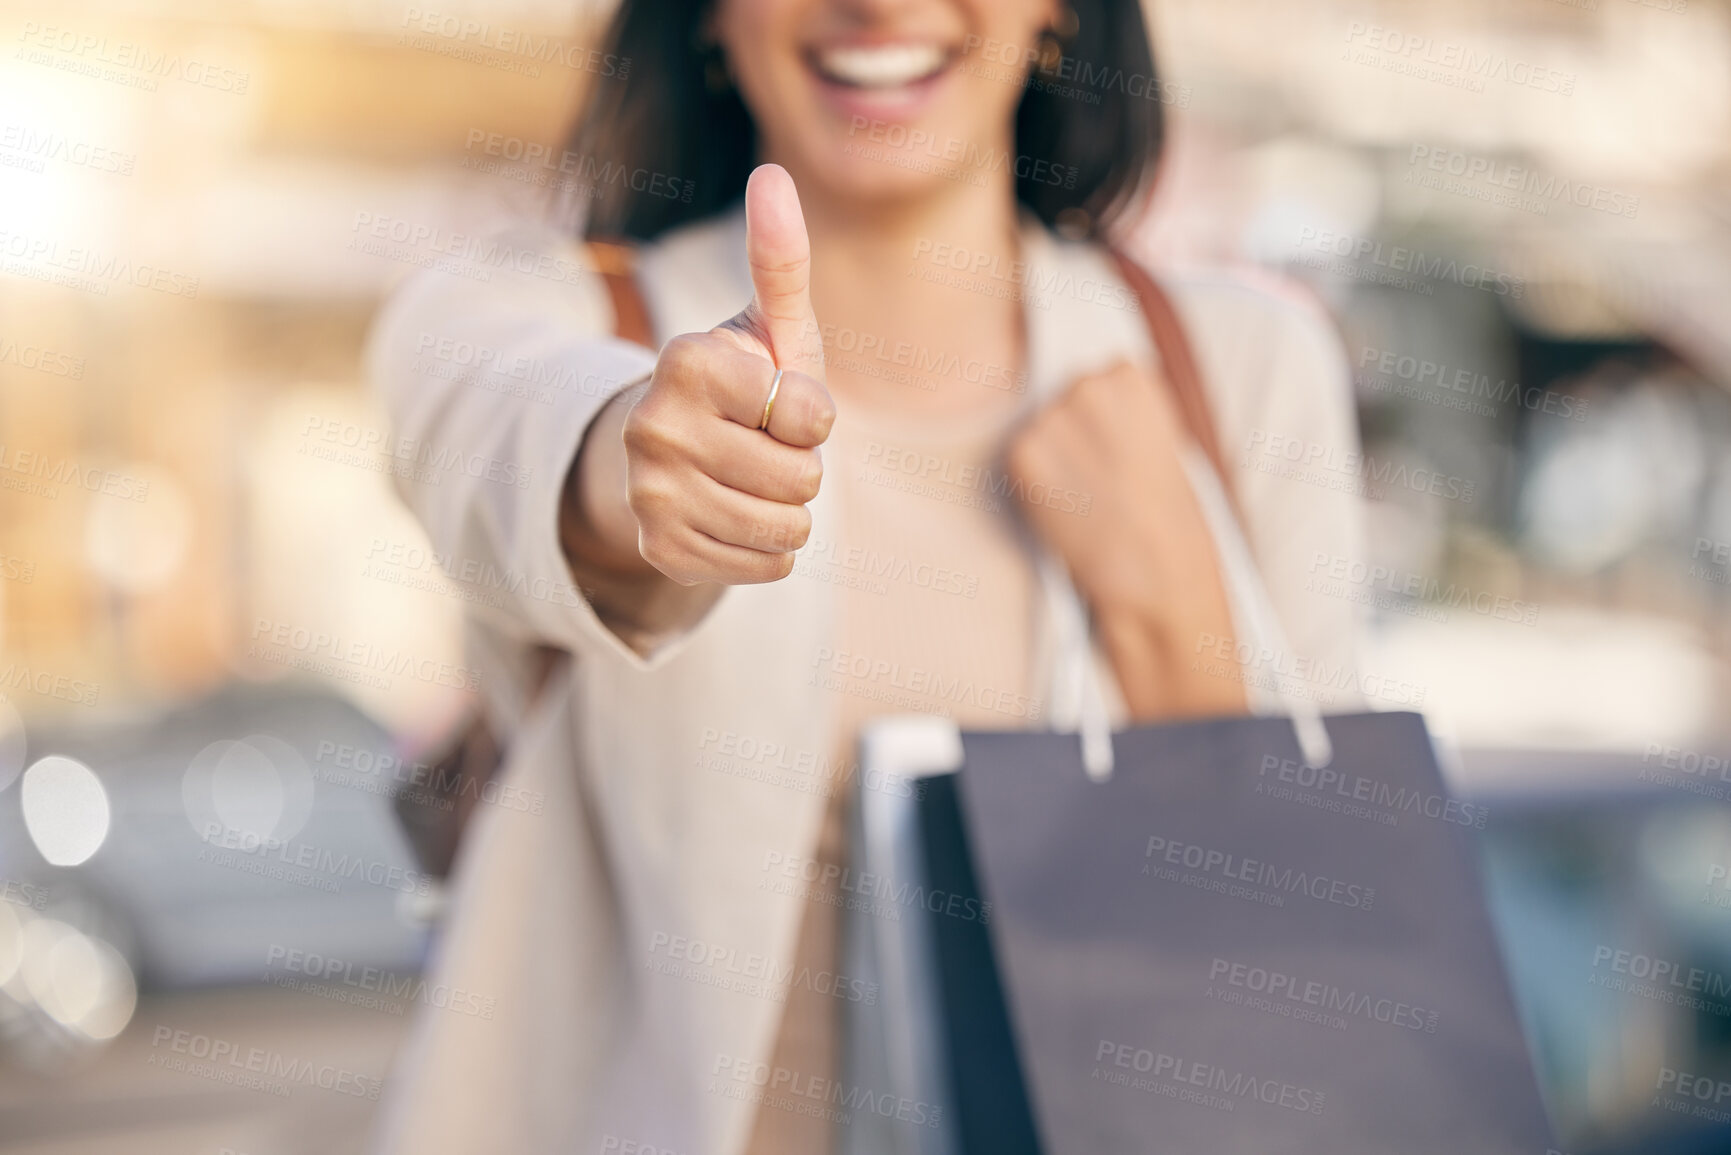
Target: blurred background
1518,213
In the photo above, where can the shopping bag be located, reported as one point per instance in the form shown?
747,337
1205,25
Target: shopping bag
1216,949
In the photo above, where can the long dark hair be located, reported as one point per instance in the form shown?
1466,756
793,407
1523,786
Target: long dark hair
670,141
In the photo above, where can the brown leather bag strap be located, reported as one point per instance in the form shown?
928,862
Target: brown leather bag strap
617,263
1179,362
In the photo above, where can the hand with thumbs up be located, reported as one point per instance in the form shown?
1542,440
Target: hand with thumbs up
676,478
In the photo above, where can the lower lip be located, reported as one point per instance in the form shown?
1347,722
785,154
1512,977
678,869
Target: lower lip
902,105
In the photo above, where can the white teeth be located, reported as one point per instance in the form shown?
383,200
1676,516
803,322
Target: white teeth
884,66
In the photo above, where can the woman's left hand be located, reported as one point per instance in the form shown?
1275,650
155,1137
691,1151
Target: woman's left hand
1103,485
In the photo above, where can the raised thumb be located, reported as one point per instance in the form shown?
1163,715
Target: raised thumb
779,253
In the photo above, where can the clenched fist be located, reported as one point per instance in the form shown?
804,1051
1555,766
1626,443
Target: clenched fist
675,481
1144,556
716,498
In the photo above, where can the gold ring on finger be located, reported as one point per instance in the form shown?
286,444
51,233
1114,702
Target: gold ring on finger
774,388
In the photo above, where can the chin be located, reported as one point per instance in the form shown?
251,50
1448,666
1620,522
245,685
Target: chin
853,169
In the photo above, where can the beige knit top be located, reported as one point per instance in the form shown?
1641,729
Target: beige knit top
936,604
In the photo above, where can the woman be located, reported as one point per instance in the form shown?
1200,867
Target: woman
879,400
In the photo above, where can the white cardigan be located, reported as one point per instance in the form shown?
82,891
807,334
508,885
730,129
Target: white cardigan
644,859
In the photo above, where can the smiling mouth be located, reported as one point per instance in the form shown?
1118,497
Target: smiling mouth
880,67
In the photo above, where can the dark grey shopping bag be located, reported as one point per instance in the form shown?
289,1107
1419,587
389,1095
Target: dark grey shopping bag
1215,950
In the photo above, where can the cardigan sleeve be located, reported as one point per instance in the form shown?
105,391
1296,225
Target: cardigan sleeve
490,385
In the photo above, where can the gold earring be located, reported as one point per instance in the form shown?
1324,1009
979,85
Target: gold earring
1051,53
1067,24
715,75
1060,32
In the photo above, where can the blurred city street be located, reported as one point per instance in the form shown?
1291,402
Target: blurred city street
133,1097
1529,264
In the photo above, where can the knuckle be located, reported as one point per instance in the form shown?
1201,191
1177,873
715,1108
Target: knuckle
674,563
651,431
1027,467
1029,445
760,535
681,355
640,421
799,532
761,568
821,413
777,533
1031,458
636,434
650,499
655,547
806,477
